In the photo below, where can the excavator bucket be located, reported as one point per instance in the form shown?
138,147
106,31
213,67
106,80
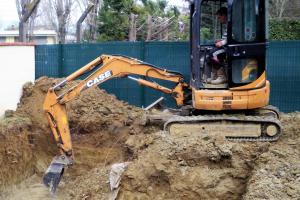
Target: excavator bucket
55,171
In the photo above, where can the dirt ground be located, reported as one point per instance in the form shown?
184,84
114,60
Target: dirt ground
107,131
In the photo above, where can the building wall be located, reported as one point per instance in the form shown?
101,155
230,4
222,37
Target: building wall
51,40
17,66
40,39
10,39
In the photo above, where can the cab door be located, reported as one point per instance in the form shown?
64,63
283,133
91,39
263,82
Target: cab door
247,41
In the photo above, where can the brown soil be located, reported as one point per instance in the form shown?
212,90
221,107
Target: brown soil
201,167
276,174
107,131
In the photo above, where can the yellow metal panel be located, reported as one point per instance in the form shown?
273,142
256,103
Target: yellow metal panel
255,84
231,100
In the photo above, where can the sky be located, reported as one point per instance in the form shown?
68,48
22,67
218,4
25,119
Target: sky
9,15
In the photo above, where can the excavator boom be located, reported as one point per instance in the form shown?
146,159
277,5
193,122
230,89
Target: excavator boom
102,69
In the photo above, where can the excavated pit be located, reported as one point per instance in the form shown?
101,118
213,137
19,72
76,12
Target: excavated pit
107,131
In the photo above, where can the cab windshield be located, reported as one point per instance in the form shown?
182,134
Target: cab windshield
211,29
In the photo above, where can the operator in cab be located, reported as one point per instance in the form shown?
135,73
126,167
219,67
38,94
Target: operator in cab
218,53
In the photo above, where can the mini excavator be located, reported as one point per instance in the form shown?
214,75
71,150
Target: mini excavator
238,109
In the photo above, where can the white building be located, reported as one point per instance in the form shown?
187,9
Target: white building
39,36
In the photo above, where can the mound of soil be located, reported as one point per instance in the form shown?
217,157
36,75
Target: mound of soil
16,155
99,124
191,167
107,131
276,174
201,167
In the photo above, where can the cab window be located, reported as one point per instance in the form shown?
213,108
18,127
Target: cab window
211,28
244,22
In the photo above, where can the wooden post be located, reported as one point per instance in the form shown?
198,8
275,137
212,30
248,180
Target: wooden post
132,28
149,28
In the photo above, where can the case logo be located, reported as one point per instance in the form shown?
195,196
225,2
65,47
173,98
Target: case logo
99,79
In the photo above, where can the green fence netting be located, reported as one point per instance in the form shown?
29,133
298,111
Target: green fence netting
61,60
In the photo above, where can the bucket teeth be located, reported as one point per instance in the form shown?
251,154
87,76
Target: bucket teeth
53,176
55,171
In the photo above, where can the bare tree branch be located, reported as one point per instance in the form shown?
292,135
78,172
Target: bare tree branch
81,19
57,13
25,8
278,7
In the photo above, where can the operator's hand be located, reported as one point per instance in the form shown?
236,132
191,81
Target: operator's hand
219,44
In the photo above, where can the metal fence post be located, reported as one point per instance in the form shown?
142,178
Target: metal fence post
142,90
60,61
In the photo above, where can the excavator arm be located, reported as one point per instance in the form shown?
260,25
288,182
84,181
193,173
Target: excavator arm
102,69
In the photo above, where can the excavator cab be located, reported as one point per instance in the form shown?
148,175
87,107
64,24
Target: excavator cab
245,51
244,62
238,108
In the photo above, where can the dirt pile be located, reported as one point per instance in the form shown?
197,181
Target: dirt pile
16,155
99,123
277,172
190,167
25,143
92,110
107,131
202,167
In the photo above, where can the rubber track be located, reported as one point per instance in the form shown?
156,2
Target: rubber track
231,118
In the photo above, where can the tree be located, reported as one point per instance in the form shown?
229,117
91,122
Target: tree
155,18
277,8
127,20
81,19
284,23
90,25
57,15
284,30
114,20
292,10
158,21
63,10
92,20
183,32
25,9
132,28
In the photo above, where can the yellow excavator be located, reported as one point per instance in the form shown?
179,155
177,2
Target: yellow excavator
237,109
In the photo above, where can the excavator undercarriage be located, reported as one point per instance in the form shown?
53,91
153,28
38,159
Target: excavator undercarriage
262,124
236,127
